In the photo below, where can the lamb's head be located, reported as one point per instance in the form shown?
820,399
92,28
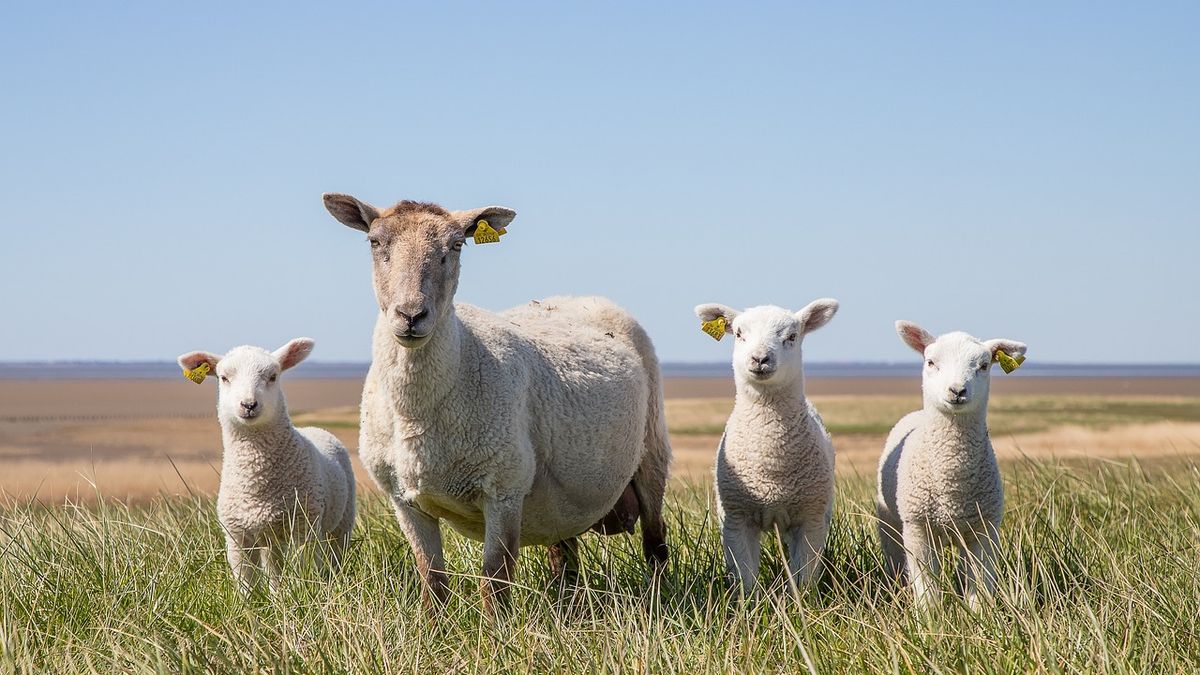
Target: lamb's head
957,375
248,380
766,348
415,248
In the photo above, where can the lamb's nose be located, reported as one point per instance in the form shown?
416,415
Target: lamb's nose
250,406
762,360
958,392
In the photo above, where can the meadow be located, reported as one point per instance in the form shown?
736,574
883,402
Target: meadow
1099,570
1100,562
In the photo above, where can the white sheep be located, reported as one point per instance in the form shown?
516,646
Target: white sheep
775,463
280,486
524,427
939,484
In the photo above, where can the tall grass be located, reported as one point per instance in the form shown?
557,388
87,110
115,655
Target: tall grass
1100,569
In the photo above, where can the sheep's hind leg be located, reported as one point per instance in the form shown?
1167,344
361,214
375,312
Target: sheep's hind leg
501,545
977,567
805,548
424,536
742,550
564,562
649,486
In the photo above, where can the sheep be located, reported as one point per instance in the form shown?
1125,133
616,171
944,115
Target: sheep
939,484
524,427
279,485
774,468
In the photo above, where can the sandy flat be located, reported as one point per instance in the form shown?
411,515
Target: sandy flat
138,438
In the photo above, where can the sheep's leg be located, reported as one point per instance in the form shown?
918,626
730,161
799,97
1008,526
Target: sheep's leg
650,484
978,565
742,549
501,544
891,538
241,562
805,546
564,561
424,536
272,554
924,564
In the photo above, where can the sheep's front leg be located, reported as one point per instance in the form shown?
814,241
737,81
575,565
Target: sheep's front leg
240,554
924,564
501,543
805,546
978,565
424,536
740,539
891,538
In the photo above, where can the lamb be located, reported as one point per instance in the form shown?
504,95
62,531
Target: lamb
774,468
939,484
525,427
280,485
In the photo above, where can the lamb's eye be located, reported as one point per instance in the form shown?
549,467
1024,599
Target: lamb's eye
984,366
225,379
791,338
929,363
273,378
738,334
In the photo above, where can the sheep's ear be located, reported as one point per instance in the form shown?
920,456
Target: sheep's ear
293,352
349,211
914,336
192,360
816,314
1010,347
498,218
712,311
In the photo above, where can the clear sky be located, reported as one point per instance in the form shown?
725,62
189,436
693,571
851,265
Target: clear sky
1019,169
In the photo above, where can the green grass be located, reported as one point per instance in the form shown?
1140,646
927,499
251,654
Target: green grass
1100,564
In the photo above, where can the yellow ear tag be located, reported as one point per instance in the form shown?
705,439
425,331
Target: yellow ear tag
715,328
484,234
198,373
1009,363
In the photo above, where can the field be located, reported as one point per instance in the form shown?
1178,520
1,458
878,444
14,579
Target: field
1101,553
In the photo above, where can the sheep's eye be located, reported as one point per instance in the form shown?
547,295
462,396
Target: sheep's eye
225,379
738,334
273,378
929,363
457,246
374,242
984,366
791,338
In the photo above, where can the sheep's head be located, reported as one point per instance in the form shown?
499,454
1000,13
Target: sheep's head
957,375
766,349
415,249
248,379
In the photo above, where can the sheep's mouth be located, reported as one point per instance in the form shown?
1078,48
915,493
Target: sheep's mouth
411,340
247,416
761,373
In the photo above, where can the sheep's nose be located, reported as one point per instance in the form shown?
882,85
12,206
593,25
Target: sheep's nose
250,406
958,392
410,315
761,359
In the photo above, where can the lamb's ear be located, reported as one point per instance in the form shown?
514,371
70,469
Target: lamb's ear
498,218
914,336
293,352
1010,347
192,360
349,211
816,314
712,310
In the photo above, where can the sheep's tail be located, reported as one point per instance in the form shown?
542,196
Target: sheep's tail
650,480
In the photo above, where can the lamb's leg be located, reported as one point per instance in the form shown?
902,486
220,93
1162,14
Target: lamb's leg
891,538
424,536
272,553
501,544
924,564
978,565
564,561
805,546
241,562
742,549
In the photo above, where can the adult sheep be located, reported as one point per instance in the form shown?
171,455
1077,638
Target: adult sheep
528,426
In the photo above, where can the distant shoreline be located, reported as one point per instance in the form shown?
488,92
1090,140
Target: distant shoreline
163,370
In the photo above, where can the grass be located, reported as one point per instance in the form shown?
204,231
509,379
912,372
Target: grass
1099,561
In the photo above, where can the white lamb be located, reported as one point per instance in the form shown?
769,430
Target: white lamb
525,427
939,484
775,463
280,486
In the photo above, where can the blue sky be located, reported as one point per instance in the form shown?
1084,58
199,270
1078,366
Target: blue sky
1010,169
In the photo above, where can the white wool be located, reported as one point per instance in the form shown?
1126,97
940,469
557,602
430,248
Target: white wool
280,486
939,483
775,463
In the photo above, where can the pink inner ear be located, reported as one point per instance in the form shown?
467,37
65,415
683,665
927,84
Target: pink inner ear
915,337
